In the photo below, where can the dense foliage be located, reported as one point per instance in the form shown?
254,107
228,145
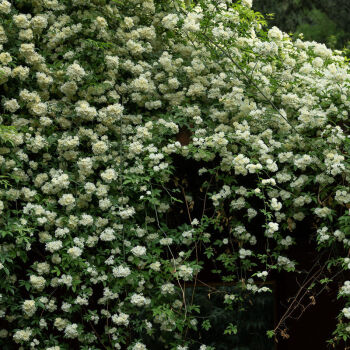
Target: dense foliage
324,21
109,100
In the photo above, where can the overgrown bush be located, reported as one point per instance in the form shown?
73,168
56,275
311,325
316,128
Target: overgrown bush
100,230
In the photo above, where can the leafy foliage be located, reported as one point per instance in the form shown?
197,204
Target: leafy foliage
156,144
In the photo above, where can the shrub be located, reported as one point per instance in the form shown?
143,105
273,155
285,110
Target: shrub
111,101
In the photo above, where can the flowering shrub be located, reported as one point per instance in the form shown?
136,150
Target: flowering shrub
100,94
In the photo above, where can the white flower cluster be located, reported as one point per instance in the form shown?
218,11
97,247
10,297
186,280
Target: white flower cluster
109,104
139,300
138,251
345,289
346,312
121,319
29,307
22,335
121,271
272,227
185,272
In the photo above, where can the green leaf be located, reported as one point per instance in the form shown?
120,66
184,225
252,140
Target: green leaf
206,325
270,333
231,329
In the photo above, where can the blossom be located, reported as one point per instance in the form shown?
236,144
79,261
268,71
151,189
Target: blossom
71,331
155,266
139,346
275,205
346,312
107,101
185,272
139,300
191,22
107,235
247,3
5,7
53,246
22,335
67,199
109,175
76,72
170,21
29,307
74,252
167,288
121,271
11,105
121,319
272,227
275,34
138,250
37,282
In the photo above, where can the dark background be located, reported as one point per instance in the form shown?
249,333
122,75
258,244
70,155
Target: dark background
325,21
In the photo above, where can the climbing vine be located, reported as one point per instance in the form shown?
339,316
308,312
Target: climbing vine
156,142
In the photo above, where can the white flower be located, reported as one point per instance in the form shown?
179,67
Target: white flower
243,253
60,323
167,288
112,62
38,22
272,227
11,105
191,22
81,300
107,235
109,175
71,331
74,252
121,319
121,271
285,262
39,108
22,335
86,220
346,312
76,72
275,205
66,279
139,346
3,333
126,213
170,21
29,307
247,3
5,7
37,282
185,272
21,21
66,307
155,266
139,300
166,241
138,250
251,213
53,246
67,199
99,147
275,34
323,212
345,289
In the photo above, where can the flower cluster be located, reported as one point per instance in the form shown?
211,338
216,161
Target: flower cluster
105,98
